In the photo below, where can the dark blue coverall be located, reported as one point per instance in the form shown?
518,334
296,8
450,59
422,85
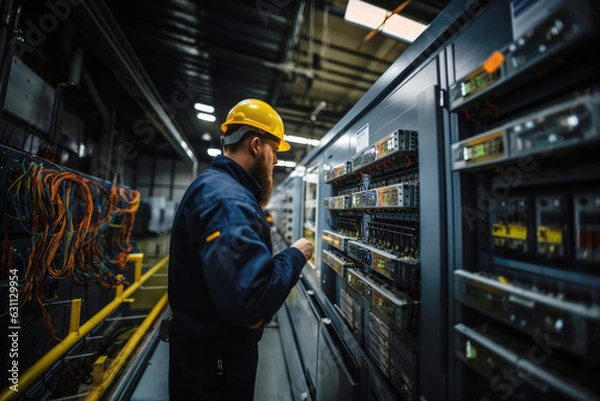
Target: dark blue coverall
224,284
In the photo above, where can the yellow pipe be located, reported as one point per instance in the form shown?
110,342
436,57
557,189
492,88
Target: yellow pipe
97,391
31,375
99,370
119,288
75,316
137,258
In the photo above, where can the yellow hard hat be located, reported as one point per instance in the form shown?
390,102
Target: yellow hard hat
258,114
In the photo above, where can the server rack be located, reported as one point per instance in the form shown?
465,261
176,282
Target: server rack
497,300
282,207
363,291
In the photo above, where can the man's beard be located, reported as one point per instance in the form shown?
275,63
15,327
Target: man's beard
263,173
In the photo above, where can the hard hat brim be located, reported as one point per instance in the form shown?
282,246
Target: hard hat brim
283,146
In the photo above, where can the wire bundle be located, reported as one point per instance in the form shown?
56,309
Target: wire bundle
78,226
110,238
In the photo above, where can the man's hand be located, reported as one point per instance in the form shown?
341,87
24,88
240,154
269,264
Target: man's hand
304,246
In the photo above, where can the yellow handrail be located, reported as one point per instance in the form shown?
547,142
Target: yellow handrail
31,375
97,390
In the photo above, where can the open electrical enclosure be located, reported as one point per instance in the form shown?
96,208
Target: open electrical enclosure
81,126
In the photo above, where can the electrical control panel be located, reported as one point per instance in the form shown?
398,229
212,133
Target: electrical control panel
480,150
352,310
337,261
337,202
359,282
461,212
373,245
338,172
509,223
282,210
364,158
542,32
586,210
526,284
337,240
397,361
571,122
527,363
404,270
560,317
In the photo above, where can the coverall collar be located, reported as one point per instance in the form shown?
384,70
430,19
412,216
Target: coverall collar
228,165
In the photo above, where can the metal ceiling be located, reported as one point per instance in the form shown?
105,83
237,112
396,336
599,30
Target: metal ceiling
294,54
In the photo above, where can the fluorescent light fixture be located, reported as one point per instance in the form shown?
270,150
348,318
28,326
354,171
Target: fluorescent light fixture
299,171
370,16
213,152
206,136
204,107
206,117
301,140
285,163
320,107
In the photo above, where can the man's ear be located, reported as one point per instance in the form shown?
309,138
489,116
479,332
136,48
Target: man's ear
255,146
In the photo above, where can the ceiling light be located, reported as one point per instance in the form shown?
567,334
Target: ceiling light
206,136
320,107
301,140
213,152
204,107
370,16
299,171
206,117
285,163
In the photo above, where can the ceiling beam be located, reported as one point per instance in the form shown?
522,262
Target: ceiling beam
352,52
286,53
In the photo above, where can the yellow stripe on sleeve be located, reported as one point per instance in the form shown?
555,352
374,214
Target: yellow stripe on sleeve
213,236
257,325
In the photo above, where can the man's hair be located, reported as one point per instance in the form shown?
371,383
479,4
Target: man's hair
234,147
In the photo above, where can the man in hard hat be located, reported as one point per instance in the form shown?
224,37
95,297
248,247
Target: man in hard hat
224,282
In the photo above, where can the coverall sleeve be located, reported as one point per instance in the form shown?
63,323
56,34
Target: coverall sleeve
245,281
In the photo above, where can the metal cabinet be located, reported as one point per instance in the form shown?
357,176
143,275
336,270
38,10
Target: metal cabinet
335,381
305,321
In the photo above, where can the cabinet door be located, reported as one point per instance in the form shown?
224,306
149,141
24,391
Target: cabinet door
334,381
305,321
